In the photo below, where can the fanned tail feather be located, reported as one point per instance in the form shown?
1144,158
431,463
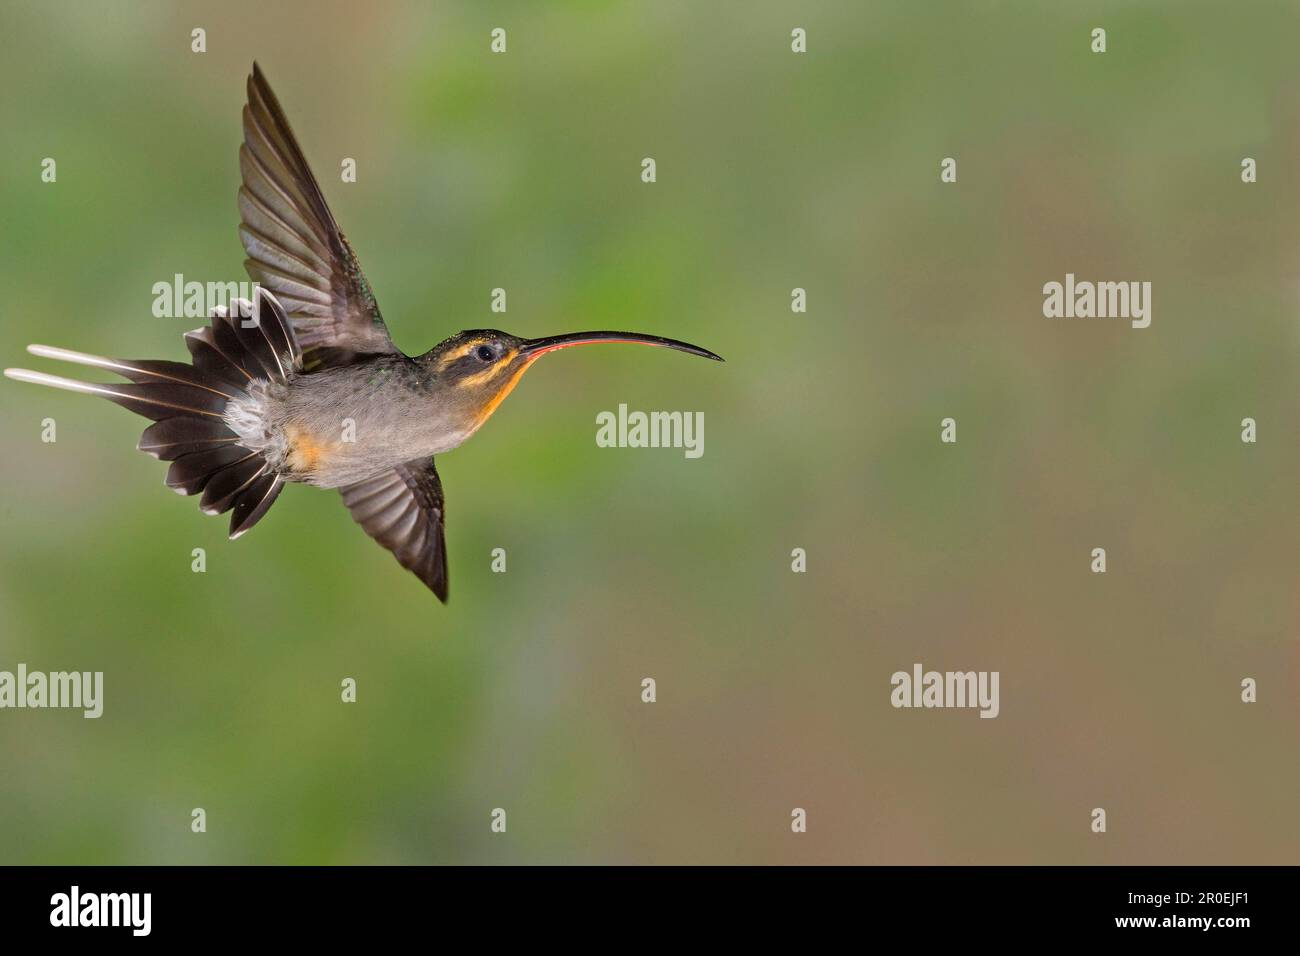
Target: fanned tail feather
187,404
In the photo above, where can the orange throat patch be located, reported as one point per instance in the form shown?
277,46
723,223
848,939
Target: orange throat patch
506,388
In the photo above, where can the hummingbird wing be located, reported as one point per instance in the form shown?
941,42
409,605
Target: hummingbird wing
295,248
402,509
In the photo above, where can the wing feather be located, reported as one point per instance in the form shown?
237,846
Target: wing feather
295,247
403,510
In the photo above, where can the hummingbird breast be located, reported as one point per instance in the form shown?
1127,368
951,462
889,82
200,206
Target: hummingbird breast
339,426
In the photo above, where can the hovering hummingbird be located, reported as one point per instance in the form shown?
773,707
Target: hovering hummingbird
277,387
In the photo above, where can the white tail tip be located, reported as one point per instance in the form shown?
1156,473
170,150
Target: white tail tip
56,381
77,358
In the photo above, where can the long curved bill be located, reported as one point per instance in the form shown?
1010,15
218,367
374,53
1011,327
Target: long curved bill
538,347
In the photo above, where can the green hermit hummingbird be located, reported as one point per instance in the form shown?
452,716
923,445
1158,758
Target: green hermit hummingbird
303,383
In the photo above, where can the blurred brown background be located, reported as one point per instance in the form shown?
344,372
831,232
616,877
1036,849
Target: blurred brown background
775,170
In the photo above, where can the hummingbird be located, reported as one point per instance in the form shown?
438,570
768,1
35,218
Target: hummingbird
303,383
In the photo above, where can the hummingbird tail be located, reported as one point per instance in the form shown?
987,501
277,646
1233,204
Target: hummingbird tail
188,405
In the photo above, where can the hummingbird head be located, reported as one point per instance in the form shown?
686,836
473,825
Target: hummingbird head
478,368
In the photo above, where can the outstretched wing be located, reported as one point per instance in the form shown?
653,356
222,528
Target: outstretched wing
295,247
402,509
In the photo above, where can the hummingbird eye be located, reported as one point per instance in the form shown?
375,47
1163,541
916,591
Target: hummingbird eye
485,353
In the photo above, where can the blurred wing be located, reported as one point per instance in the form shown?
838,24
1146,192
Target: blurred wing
294,246
402,509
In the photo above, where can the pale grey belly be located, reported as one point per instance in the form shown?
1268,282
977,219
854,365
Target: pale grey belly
337,436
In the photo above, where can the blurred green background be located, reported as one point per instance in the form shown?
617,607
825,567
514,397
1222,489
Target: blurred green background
775,170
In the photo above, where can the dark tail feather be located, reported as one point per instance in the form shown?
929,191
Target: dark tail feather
188,402
253,502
